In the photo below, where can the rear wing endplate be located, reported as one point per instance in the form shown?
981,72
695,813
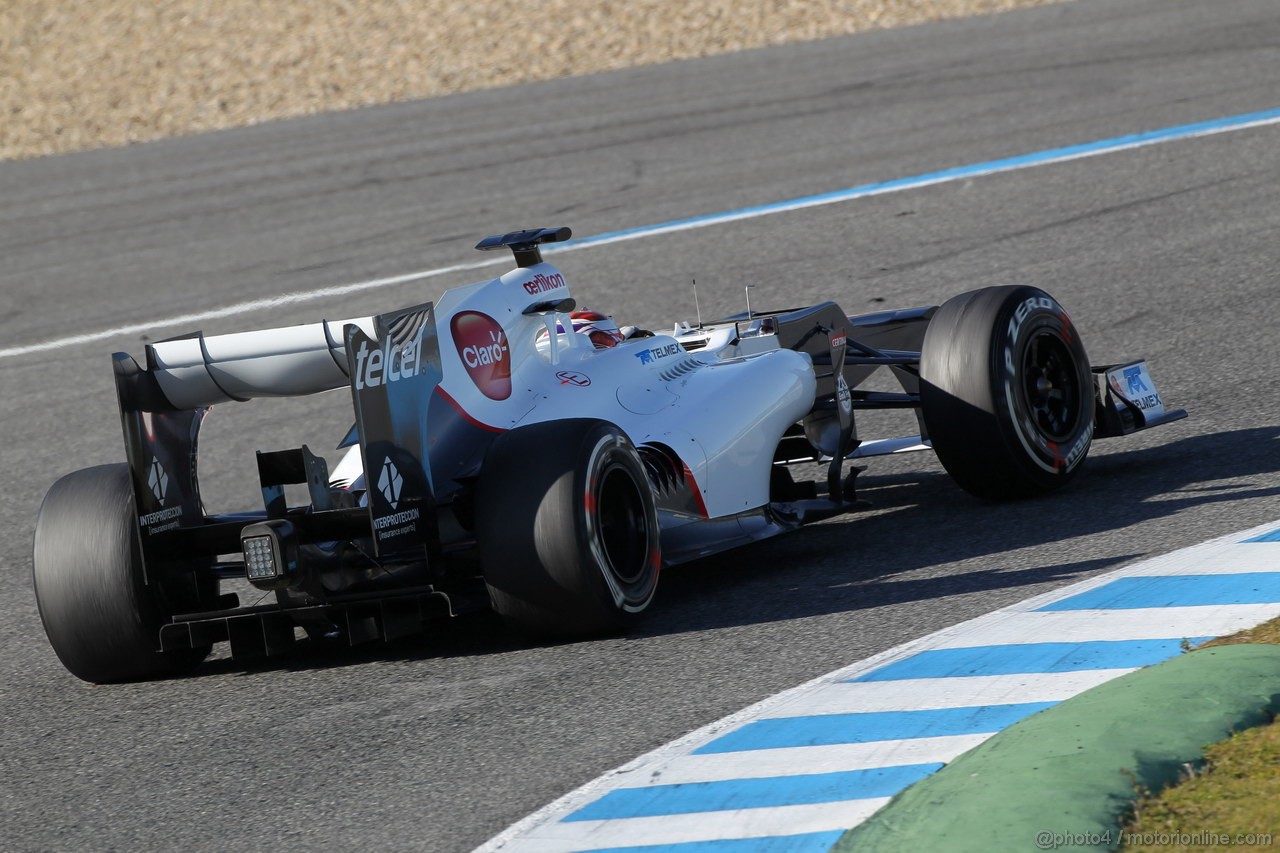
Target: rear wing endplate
393,377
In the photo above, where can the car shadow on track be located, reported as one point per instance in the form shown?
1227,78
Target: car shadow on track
470,634
922,539
947,543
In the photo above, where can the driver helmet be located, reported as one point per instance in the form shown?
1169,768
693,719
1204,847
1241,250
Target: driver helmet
600,328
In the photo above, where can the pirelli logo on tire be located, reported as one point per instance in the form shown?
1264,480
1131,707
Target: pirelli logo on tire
1019,317
1006,392
1044,389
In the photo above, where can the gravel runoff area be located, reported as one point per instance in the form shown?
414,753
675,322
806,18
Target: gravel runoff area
110,72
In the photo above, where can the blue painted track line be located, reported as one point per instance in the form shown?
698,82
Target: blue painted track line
1028,658
1180,591
1006,164
734,794
869,727
809,842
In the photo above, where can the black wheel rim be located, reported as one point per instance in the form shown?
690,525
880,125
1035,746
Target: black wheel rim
623,525
1051,385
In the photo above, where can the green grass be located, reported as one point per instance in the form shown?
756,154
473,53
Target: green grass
1234,794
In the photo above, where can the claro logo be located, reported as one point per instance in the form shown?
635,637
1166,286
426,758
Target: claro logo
483,348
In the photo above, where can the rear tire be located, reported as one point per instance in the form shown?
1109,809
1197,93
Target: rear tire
102,620
1006,392
567,529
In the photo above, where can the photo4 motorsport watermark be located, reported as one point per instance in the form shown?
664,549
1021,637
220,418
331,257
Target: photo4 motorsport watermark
1046,840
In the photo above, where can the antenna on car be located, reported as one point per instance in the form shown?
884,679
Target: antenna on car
747,290
696,307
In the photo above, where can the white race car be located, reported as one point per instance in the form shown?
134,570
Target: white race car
499,455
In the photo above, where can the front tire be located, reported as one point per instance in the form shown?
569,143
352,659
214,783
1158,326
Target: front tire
102,620
1006,392
567,529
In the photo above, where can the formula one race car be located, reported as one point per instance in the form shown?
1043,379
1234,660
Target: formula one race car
498,450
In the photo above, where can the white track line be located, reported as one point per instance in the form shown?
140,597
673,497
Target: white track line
684,828
802,760
1074,626
915,694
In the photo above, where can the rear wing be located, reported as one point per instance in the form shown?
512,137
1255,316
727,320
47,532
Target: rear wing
391,363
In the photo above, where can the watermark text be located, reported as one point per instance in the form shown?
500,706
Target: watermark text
1046,840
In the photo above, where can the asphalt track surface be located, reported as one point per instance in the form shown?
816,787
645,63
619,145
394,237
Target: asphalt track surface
1168,252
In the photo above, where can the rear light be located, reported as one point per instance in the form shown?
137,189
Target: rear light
270,553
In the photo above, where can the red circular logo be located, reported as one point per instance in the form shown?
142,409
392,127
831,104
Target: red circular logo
482,346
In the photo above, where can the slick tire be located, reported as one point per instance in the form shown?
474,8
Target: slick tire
1006,392
567,529
102,620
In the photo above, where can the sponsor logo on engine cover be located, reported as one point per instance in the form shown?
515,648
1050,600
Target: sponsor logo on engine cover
389,363
541,283
572,377
482,346
649,356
